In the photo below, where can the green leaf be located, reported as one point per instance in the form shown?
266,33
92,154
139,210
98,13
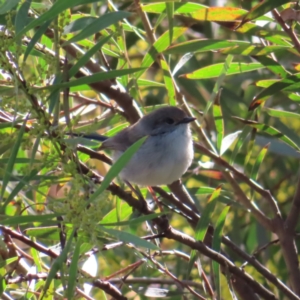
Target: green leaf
218,85
170,14
24,182
213,71
35,38
218,119
228,140
87,56
262,8
169,83
8,5
72,280
118,214
281,85
149,83
272,65
58,7
159,46
117,167
204,45
132,221
28,219
79,24
99,24
203,224
258,162
179,8
12,159
22,18
281,113
254,50
270,131
130,238
92,78
216,245
58,264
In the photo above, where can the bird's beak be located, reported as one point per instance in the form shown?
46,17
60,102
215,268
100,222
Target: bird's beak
186,120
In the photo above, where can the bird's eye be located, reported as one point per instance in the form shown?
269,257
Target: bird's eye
169,121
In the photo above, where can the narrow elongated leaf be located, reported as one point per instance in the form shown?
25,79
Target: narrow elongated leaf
58,263
159,46
79,24
213,71
99,24
72,280
12,158
86,57
117,167
204,45
58,7
281,113
270,131
218,119
179,8
273,66
203,224
127,237
280,85
24,182
93,78
8,5
273,89
254,50
218,85
262,8
169,83
200,12
27,219
132,221
258,162
216,245
170,14
228,140
35,38
22,16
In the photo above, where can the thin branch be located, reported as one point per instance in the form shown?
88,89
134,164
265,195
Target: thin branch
252,184
243,199
173,234
261,269
293,216
290,32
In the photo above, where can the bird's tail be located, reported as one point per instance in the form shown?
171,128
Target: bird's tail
90,136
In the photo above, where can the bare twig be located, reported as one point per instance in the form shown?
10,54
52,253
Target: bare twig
293,216
287,29
243,199
252,184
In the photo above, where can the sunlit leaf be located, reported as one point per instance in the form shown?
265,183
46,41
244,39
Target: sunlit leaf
213,71
99,24
258,162
281,113
216,245
270,131
262,8
228,140
127,237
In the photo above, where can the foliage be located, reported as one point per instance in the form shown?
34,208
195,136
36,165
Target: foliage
70,229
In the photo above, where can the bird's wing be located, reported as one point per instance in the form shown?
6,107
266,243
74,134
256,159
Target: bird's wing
122,140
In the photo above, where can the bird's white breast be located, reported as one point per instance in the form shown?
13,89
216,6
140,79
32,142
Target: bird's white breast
162,159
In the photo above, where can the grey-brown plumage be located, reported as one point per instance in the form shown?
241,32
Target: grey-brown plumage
165,155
